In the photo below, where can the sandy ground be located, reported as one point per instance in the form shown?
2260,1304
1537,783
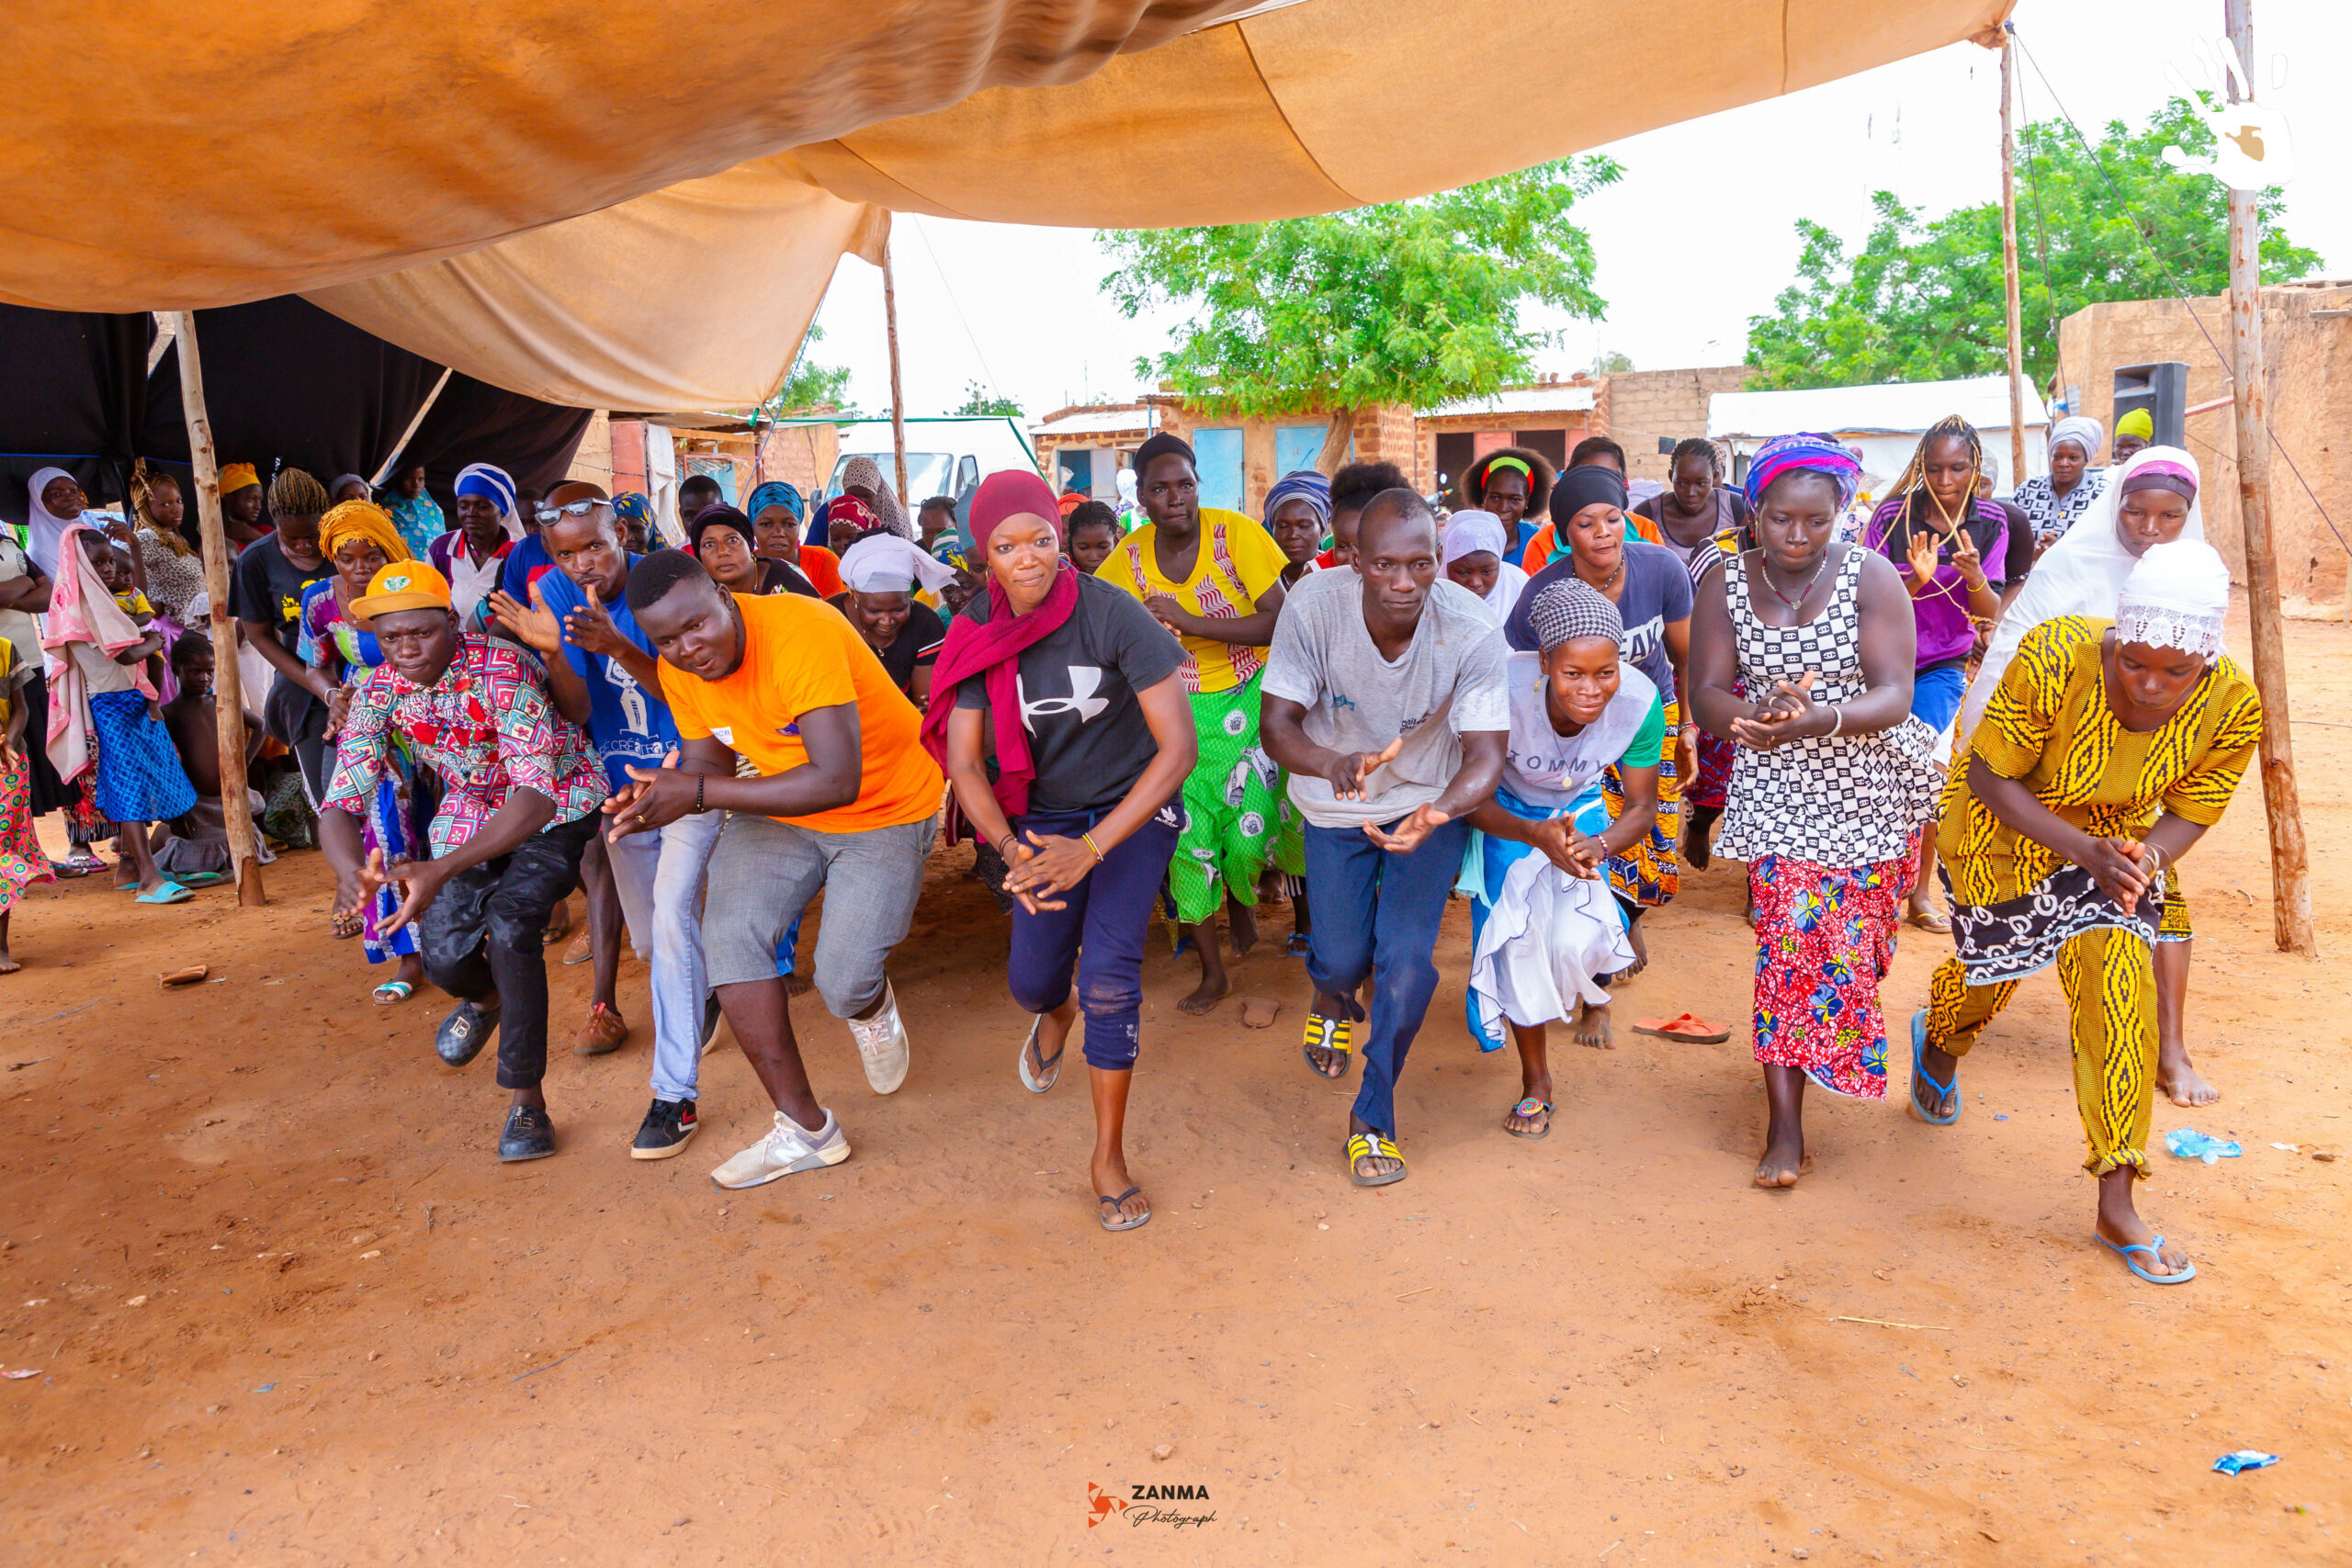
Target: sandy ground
283,1306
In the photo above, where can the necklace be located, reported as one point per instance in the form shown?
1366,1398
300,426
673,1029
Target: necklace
1797,603
1605,584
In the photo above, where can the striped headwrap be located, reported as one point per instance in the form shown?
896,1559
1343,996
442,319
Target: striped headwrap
1807,449
491,483
1304,485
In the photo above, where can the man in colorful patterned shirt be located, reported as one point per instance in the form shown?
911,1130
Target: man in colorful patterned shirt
520,787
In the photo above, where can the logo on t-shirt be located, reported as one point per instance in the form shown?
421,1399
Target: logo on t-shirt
1085,679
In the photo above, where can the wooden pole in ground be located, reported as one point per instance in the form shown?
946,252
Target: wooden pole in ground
2009,263
2290,886
897,399
228,693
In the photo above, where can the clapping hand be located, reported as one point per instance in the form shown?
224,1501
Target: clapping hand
1410,831
1564,847
1056,864
2120,868
534,622
1348,772
1787,713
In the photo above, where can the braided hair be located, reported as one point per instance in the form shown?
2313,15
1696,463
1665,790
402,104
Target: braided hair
294,493
1696,446
1951,427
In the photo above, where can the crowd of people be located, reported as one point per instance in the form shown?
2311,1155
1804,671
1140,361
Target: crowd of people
1546,699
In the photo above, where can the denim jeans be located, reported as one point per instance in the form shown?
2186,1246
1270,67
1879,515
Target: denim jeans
481,934
1377,913
659,876
1100,933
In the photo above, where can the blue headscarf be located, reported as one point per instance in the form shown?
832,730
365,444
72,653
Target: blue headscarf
1306,485
1807,449
775,492
491,483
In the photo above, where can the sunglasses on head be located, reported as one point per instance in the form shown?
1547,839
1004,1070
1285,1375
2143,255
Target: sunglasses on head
571,509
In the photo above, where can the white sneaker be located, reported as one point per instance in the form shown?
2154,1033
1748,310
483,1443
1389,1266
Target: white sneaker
882,1043
789,1147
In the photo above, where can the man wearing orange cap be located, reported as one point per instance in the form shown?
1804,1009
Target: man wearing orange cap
521,786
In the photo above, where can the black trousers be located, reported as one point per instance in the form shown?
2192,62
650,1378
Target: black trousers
481,934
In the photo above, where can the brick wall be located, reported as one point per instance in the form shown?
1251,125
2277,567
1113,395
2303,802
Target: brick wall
1636,408
2308,357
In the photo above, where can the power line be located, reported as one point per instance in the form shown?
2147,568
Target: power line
950,289
2172,279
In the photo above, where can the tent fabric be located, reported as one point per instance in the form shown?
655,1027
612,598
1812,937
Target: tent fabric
427,134
73,389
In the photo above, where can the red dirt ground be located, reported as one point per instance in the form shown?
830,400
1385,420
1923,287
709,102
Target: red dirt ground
284,1306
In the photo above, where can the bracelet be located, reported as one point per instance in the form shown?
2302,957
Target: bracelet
1012,836
698,784
1088,840
1836,721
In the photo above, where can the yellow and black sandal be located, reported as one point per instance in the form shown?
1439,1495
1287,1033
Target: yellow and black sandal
1372,1145
1336,1035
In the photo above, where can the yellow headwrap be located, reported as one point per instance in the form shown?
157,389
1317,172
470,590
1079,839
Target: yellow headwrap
362,519
2137,422
235,477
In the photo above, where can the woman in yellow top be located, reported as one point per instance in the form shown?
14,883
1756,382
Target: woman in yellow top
1214,578
2106,751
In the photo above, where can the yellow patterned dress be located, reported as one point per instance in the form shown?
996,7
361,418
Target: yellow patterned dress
2019,905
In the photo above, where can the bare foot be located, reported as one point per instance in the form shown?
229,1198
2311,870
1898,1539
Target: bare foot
797,985
1593,1029
1241,926
1778,1168
1216,984
7,964
2179,1081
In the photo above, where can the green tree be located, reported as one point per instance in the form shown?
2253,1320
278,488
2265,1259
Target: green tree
810,385
977,401
1922,299
1612,362
1412,302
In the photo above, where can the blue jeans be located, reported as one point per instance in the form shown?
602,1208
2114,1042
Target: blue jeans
1100,935
659,876
1377,914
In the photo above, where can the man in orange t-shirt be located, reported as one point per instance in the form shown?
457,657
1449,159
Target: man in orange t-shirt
787,720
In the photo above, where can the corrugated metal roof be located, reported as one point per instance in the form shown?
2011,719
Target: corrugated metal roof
1091,422
1518,399
1894,408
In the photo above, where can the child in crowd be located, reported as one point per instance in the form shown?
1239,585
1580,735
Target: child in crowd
1094,534
193,847
937,517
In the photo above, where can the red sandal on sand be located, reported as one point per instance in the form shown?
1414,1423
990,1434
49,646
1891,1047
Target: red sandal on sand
1686,1026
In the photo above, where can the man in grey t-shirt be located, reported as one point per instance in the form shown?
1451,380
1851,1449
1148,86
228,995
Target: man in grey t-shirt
1384,697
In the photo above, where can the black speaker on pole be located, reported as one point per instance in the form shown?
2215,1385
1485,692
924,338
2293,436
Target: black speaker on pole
2161,389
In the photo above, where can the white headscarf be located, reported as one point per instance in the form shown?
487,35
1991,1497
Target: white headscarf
1466,533
2177,597
865,473
2083,430
884,563
2081,574
44,526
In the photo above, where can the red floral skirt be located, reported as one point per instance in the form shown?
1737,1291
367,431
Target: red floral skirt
1825,938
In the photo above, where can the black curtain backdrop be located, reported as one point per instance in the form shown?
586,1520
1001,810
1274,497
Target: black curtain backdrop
73,392
287,385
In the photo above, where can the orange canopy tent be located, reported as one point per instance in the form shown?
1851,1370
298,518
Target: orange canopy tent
633,204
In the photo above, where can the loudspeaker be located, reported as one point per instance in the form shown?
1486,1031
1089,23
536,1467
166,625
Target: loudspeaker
2161,389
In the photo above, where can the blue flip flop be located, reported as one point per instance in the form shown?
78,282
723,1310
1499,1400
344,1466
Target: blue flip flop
2150,1247
1920,1076
166,893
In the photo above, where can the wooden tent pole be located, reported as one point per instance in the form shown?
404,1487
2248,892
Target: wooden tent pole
228,693
2290,886
2009,263
898,400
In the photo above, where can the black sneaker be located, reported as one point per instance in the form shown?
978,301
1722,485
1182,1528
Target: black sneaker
668,1126
529,1135
464,1032
710,1016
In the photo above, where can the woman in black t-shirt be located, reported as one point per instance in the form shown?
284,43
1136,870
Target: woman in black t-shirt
1062,723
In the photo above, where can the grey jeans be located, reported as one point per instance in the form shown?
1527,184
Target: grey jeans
763,875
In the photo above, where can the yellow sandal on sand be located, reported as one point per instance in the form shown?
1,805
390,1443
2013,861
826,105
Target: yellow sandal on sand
1362,1146
1336,1035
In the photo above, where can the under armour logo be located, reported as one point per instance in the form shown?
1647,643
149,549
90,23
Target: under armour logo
1084,679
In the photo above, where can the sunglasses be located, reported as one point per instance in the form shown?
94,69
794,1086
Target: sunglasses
571,509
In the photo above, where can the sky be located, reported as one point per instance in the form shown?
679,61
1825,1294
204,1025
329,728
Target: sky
1686,251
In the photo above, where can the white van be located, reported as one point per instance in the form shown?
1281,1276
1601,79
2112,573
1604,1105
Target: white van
947,456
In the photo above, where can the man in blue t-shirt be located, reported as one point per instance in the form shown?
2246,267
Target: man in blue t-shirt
602,673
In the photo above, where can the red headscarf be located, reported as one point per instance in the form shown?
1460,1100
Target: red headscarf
992,648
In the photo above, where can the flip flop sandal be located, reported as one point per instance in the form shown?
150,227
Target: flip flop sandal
1934,921
1038,1083
1299,945
391,993
1372,1145
2152,1249
1920,1076
1526,1109
203,879
337,929
1114,1221
169,893
71,868
1333,1034
1684,1026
